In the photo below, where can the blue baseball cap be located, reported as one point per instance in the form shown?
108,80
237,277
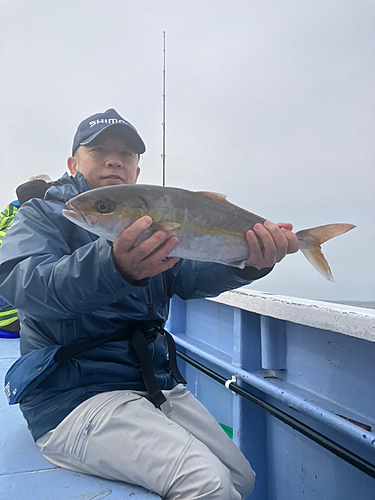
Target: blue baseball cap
94,125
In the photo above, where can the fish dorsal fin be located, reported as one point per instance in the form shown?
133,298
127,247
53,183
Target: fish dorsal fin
222,198
214,196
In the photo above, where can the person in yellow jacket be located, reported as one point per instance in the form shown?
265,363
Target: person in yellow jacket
35,187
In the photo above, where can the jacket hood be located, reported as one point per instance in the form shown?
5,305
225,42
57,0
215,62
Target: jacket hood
67,187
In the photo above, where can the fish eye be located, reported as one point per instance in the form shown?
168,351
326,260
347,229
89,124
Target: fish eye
104,206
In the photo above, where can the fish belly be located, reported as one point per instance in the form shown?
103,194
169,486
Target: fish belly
223,249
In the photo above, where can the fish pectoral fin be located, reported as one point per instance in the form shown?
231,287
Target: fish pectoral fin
237,263
164,226
310,241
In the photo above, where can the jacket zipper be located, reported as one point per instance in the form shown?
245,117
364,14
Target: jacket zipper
164,287
83,435
149,304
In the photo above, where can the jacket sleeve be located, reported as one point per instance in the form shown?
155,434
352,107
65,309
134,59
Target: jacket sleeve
6,219
44,278
194,280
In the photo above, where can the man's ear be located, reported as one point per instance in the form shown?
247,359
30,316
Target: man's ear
72,165
137,174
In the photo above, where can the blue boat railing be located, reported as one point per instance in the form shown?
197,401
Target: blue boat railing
312,361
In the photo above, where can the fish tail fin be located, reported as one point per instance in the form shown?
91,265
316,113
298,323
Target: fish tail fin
310,241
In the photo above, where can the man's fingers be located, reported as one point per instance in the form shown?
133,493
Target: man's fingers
161,254
293,244
149,257
152,243
164,265
258,257
128,236
279,239
269,245
126,239
286,228
254,245
285,225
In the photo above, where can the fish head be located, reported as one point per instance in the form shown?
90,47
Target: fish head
102,211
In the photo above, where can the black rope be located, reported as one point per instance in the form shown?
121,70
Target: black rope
304,429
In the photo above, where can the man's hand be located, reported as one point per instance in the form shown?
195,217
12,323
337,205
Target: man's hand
269,243
143,261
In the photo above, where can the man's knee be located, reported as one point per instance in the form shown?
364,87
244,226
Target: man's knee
219,486
201,475
247,485
244,478
212,485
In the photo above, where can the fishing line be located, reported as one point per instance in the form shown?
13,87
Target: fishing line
163,123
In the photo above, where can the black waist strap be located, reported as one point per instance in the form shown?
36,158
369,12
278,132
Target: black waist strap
139,343
173,359
136,332
71,350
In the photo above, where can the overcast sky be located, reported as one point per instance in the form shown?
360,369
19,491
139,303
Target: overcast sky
270,102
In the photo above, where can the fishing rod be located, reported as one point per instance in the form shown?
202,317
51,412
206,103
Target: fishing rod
163,124
335,448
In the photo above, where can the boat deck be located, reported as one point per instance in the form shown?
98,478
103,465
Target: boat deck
26,475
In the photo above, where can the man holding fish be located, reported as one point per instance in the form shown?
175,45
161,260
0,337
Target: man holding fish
97,381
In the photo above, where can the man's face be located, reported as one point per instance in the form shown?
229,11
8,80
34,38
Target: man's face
107,160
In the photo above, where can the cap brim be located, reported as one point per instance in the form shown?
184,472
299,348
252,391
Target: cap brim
128,132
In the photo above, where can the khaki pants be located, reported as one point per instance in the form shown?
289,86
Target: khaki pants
179,452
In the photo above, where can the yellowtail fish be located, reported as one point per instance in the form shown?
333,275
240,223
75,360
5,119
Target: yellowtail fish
209,228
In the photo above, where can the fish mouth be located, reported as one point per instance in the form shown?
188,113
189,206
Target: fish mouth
78,217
